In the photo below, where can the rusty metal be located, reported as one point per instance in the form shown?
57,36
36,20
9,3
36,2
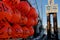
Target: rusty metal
55,26
48,27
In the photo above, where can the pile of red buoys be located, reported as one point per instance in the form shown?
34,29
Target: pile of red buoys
17,19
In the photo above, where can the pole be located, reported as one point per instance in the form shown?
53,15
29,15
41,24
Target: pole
55,26
48,27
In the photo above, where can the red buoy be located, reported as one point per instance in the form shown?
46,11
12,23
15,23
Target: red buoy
15,18
2,15
23,7
26,32
8,16
4,30
30,22
23,20
18,31
31,30
11,3
5,16
32,13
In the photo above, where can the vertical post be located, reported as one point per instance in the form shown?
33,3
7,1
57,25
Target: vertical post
52,8
55,26
48,27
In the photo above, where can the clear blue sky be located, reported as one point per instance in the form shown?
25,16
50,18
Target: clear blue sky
45,2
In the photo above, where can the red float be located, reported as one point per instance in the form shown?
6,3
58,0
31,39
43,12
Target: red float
15,18
30,22
4,7
4,30
2,15
5,16
12,32
5,11
1,8
23,7
32,13
21,17
11,3
31,30
8,16
23,20
26,32
17,31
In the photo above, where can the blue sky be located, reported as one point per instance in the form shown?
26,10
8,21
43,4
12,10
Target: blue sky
43,15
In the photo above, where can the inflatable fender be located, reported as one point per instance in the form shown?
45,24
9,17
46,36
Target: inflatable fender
24,7
23,20
31,30
26,32
32,13
15,18
18,30
4,30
